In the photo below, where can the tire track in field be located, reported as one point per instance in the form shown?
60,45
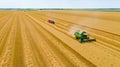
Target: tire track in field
28,54
7,52
38,52
18,59
4,33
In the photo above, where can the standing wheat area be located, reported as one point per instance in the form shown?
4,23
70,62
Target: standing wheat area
27,39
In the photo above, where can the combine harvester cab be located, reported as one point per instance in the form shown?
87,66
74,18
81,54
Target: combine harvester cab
83,37
51,21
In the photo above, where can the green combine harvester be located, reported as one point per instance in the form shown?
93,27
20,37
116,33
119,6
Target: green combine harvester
83,37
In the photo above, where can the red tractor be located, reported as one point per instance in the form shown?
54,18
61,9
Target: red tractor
51,21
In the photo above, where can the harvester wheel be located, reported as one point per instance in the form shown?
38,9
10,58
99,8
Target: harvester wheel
77,38
81,40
